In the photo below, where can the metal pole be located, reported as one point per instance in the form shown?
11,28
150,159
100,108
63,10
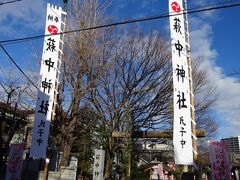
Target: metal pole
188,48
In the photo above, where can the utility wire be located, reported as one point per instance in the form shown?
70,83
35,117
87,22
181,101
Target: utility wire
214,4
102,26
5,51
120,23
9,2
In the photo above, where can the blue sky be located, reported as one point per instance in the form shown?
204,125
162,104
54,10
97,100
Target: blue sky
214,36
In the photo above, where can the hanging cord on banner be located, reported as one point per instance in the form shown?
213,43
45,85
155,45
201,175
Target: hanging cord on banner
122,23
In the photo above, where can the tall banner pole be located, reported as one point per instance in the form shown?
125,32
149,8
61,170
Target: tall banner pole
188,49
49,72
60,60
182,130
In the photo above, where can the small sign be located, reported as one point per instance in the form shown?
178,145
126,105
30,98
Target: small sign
220,161
14,166
98,166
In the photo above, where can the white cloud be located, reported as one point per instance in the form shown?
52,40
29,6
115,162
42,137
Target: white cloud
22,16
227,106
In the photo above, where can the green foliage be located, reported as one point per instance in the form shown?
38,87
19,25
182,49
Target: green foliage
85,142
139,174
124,161
178,172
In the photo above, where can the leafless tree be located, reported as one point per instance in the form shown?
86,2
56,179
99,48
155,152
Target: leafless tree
86,57
135,92
125,76
16,105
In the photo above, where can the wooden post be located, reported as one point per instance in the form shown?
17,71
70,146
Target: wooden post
45,174
152,134
185,168
188,49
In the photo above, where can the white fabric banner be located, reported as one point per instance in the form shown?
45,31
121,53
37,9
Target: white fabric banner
98,166
182,131
48,73
14,166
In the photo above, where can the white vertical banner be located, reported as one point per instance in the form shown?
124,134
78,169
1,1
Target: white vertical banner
48,73
98,166
15,158
182,131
